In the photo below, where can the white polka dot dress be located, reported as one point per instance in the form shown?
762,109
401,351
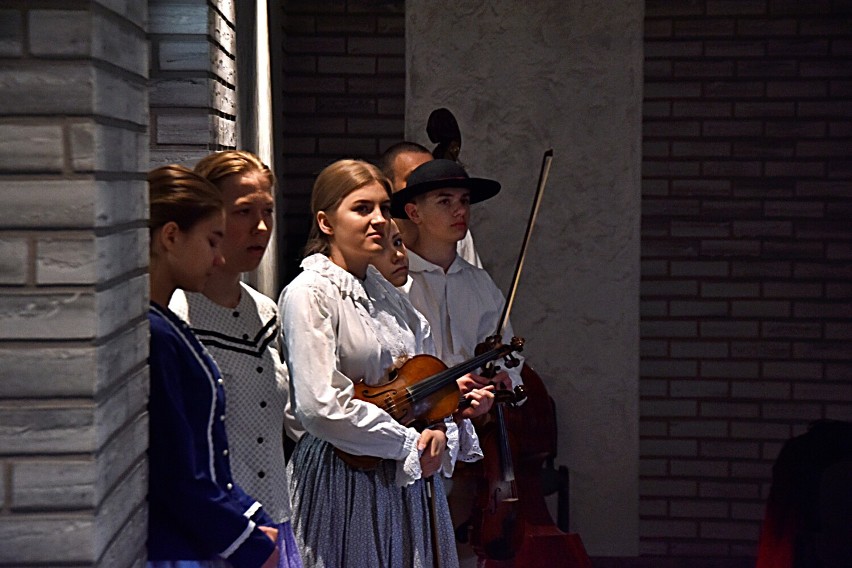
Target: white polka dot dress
244,344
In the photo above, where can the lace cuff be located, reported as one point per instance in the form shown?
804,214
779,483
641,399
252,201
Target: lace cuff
469,450
408,469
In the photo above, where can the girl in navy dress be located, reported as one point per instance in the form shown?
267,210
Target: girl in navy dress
197,515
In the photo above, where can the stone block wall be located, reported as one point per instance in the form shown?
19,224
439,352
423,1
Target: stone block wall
193,79
73,283
746,312
343,97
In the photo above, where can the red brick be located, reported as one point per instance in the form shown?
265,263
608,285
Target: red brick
667,368
380,85
667,448
300,64
667,408
649,308
699,428
761,390
345,24
655,149
791,411
314,44
790,330
825,188
793,250
736,209
838,331
729,409
760,430
756,309
764,148
705,268
795,129
728,289
702,68
761,27
792,290
703,109
730,530
762,228
346,65
811,209
839,412
736,7
791,370
734,47
653,507
822,310
731,168
823,351
825,109
730,369
699,509
658,109
737,128
795,7
315,85
680,308
748,511
833,392
760,269
795,169
650,388
729,449
840,290
704,550
668,207
667,488
734,89
654,429
348,146
796,89
668,287
653,348
377,45
764,109
652,268
760,349
346,105
702,188
700,229
670,128
824,229
759,470
704,27
699,468
702,149
668,529
720,247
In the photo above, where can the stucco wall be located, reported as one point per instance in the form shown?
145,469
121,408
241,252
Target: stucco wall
522,77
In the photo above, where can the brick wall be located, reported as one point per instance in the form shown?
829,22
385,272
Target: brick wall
73,283
746,311
193,79
343,97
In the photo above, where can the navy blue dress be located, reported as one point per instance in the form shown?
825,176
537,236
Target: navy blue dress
196,511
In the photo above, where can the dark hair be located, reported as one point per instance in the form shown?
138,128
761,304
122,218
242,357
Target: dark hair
332,185
177,194
387,159
219,165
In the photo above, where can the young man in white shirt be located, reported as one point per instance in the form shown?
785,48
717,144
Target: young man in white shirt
397,163
460,301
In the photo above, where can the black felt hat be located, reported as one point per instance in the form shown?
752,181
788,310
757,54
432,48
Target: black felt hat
439,174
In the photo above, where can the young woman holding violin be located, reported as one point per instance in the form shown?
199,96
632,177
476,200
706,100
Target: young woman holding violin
343,324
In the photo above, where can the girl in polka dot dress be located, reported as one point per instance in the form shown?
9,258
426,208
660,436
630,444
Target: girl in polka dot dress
240,328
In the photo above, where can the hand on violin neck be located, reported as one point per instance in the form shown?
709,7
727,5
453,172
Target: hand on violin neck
432,444
480,402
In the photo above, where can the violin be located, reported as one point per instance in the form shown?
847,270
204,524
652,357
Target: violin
423,392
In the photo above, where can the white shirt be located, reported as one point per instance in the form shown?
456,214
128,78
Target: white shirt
244,343
337,329
462,305
467,251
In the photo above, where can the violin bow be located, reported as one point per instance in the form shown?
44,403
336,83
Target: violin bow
539,192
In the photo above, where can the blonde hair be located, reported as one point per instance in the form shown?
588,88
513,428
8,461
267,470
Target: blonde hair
177,194
219,165
332,185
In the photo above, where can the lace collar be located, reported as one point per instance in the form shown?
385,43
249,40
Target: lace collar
348,284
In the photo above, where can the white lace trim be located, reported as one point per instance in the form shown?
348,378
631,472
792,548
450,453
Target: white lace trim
347,283
469,449
408,470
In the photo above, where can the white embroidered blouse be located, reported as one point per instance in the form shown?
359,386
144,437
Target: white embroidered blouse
337,329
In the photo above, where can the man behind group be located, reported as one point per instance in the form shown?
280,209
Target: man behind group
397,163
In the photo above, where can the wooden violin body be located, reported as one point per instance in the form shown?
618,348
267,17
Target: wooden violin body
422,392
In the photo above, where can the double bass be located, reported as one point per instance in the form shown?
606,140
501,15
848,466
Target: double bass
510,524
